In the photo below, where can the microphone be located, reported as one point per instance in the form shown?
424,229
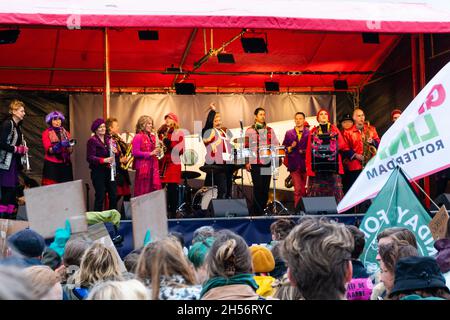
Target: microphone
242,126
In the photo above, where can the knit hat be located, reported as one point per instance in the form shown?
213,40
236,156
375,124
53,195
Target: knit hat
262,259
416,273
52,115
27,242
97,123
322,109
172,116
198,251
395,111
51,258
443,256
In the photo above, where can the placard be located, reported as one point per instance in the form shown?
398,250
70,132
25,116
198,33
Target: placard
7,228
438,225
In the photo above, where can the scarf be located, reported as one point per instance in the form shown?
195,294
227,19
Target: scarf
245,278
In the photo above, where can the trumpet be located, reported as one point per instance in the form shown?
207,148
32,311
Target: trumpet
72,142
25,158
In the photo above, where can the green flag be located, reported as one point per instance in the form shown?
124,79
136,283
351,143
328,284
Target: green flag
395,206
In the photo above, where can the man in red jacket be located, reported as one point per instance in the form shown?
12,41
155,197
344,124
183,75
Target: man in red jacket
362,139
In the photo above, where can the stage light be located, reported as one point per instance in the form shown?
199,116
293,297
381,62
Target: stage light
148,35
340,84
9,36
185,88
371,37
272,86
225,58
254,45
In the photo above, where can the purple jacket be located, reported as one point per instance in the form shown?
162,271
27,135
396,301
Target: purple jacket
296,158
97,151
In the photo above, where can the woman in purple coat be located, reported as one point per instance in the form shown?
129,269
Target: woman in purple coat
295,141
98,155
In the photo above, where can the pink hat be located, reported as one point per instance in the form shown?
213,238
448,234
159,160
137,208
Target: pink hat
395,111
172,116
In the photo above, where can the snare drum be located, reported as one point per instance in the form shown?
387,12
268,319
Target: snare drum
203,197
274,151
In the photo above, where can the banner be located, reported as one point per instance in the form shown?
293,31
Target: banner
418,142
395,206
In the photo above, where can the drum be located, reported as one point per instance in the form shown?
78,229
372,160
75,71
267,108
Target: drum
203,197
324,156
272,151
181,195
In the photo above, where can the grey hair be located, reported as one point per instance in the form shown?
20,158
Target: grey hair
14,285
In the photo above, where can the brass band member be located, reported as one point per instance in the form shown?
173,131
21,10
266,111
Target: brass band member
218,151
362,140
122,177
57,147
99,153
170,165
295,141
257,136
12,150
323,180
145,152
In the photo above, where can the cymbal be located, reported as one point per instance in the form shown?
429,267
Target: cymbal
189,175
211,168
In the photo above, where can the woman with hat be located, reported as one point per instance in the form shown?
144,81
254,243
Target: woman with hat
145,151
99,148
12,149
57,147
324,179
170,165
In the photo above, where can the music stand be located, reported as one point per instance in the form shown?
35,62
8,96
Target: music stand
271,208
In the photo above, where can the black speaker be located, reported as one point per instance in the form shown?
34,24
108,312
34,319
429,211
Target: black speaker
318,205
254,45
272,86
148,35
9,36
340,84
225,58
184,88
229,207
371,37
442,199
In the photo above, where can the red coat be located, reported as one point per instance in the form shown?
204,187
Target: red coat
63,156
170,168
342,146
353,137
255,139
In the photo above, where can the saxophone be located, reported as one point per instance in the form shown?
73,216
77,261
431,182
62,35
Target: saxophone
369,150
159,145
128,154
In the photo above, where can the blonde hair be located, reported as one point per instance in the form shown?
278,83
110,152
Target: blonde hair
229,256
142,121
119,290
42,279
99,263
16,105
163,258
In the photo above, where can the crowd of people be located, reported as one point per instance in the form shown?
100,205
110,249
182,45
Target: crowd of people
309,259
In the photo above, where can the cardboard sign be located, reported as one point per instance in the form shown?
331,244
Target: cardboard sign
438,225
48,207
149,211
98,233
7,228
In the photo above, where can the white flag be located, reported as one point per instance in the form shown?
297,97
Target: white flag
418,142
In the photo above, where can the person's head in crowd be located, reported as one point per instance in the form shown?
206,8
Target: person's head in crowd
119,290
358,239
26,243
73,252
197,254
395,114
396,234
202,233
323,116
318,255
281,228
180,238
390,253
280,264
284,290
346,121
131,260
260,116
163,259
99,263
51,258
443,248
418,278
262,259
230,271
14,285
359,118
45,283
